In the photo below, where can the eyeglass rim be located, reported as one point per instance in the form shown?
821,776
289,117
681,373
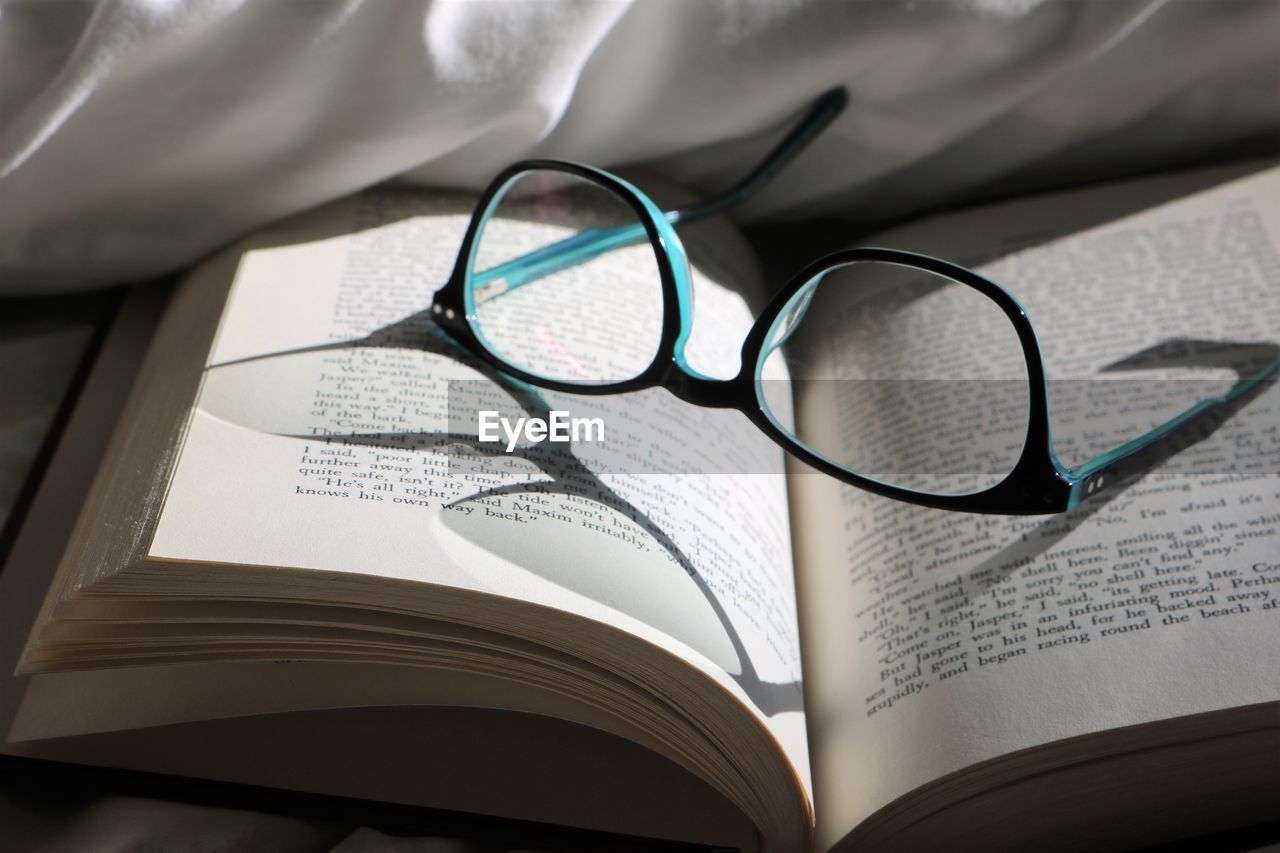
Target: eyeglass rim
1036,483
456,298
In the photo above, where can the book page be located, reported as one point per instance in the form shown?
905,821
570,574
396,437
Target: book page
935,640
321,441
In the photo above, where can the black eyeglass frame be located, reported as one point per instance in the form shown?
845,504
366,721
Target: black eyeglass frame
1037,484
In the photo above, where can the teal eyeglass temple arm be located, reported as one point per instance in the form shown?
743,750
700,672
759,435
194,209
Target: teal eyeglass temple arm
1143,453
594,242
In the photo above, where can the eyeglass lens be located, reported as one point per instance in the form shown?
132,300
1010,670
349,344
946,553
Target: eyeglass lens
578,280
901,375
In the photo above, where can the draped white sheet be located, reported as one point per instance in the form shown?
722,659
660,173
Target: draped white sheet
136,135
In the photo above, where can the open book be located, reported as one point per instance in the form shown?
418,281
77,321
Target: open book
289,549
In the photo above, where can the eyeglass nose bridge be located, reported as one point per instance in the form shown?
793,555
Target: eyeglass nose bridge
701,390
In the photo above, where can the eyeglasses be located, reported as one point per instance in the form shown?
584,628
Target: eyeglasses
902,374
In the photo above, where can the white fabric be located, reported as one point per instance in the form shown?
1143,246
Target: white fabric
139,134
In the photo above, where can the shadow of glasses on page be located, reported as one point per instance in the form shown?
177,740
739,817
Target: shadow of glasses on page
566,475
